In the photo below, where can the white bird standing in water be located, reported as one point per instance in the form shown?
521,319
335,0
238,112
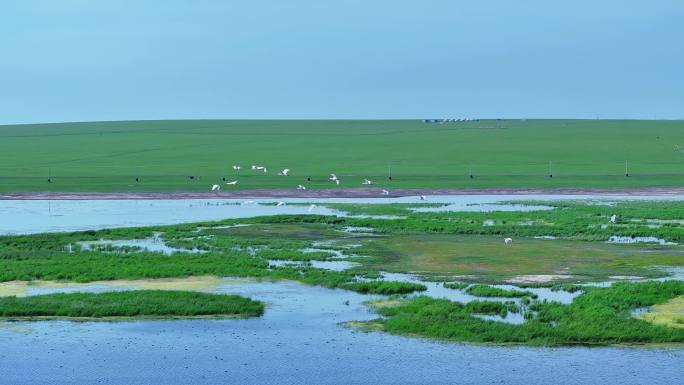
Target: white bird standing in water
285,172
215,188
300,187
232,183
366,181
385,192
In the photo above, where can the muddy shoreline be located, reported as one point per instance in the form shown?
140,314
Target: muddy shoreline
329,193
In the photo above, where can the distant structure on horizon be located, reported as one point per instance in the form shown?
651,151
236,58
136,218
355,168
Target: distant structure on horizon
442,121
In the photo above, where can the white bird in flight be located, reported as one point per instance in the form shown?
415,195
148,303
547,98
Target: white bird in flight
259,168
366,181
385,192
232,183
285,172
300,187
215,188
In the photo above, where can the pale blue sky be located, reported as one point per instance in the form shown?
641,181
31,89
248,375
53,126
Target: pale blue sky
79,60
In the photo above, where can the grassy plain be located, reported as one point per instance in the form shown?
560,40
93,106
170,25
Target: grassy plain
108,156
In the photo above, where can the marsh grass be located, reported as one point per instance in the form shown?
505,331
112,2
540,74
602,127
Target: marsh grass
129,304
455,285
384,287
599,316
489,291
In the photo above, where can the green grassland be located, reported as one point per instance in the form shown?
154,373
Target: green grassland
108,156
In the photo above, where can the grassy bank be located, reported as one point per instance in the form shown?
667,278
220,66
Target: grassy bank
600,316
129,304
498,153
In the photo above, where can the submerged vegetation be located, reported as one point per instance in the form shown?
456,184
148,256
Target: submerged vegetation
140,303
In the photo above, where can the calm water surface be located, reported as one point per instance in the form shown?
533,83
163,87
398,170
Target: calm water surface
300,341
34,216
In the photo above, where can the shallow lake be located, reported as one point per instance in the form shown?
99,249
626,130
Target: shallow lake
299,339
34,216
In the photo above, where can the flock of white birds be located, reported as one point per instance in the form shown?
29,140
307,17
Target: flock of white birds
286,172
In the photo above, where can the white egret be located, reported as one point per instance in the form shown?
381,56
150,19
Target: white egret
215,188
285,172
385,192
366,181
333,177
300,187
613,218
236,168
508,241
232,183
281,204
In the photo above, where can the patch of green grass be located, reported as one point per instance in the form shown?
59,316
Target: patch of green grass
500,153
455,285
488,259
489,291
129,304
384,287
599,316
